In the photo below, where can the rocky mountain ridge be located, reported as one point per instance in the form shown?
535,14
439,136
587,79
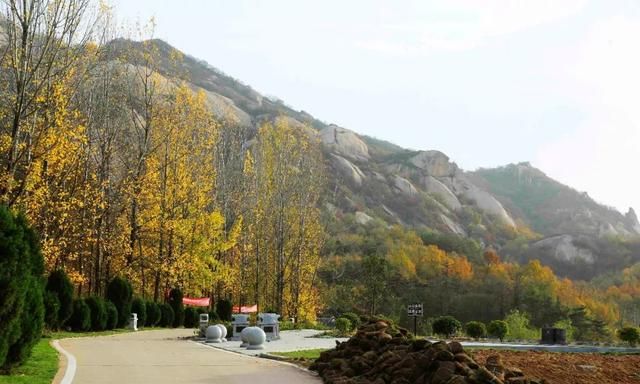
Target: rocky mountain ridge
371,179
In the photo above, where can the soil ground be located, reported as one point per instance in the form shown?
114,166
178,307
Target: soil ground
569,368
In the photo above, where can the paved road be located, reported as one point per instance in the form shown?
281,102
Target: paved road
163,357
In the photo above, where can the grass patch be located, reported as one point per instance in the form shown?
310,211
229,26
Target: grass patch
40,368
307,354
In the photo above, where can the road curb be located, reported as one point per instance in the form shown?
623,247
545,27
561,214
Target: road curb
71,365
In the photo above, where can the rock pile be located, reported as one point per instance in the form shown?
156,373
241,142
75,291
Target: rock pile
381,353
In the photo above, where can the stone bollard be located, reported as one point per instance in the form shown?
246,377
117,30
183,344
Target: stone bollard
214,334
133,322
244,334
256,338
223,329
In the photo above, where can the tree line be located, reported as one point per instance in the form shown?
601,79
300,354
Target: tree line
123,170
377,269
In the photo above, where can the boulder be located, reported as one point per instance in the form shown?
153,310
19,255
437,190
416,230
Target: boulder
404,186
452,225
562,248
434,163
225,109
362,218
348,169
486,202
436,187
632,220
293,123
345,143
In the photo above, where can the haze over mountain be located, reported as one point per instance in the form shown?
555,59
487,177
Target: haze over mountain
553,84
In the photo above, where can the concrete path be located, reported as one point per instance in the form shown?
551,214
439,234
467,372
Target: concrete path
165,356
289,341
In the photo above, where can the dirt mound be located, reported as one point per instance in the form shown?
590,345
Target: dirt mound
381,353
571,368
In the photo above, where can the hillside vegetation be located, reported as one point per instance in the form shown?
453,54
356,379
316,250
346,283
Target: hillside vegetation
133,159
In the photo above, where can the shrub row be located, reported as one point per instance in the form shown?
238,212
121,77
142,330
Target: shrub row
21,289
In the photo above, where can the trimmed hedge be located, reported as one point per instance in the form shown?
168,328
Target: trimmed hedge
498,328
167,315
629,334
58,283
191,317
51,309
153,314
446,326
475,329
138,307
21,290
343,325
98,312
224,309
175,301
112,315
119,292
353,318
80,319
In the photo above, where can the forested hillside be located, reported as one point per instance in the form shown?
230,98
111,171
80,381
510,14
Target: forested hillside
134,159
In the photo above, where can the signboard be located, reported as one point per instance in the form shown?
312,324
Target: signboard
414,310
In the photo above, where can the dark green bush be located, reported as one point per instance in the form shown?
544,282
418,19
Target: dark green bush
139,308
353,318
343,325
224,308
112,315
446,326
153,314
498,328
98,312
630,335
59,284
21,290
475,329
51,309
190,317
119,292
213,316
175,301
80,319
166,318
31,324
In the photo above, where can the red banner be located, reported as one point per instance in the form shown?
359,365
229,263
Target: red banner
196,301
245,309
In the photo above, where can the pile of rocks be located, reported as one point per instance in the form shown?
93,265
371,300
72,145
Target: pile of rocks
381,353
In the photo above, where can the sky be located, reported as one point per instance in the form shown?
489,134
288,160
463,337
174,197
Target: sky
488,82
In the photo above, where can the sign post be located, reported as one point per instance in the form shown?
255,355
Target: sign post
415,310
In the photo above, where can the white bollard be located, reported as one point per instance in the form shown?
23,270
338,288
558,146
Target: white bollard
244,337
223,329
256,338
214,334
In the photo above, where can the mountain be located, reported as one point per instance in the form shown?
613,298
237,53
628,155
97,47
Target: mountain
516,209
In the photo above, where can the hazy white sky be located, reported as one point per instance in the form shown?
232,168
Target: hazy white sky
491,82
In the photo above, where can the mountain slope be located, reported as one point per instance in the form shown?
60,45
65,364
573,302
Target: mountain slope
550,207
371,179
